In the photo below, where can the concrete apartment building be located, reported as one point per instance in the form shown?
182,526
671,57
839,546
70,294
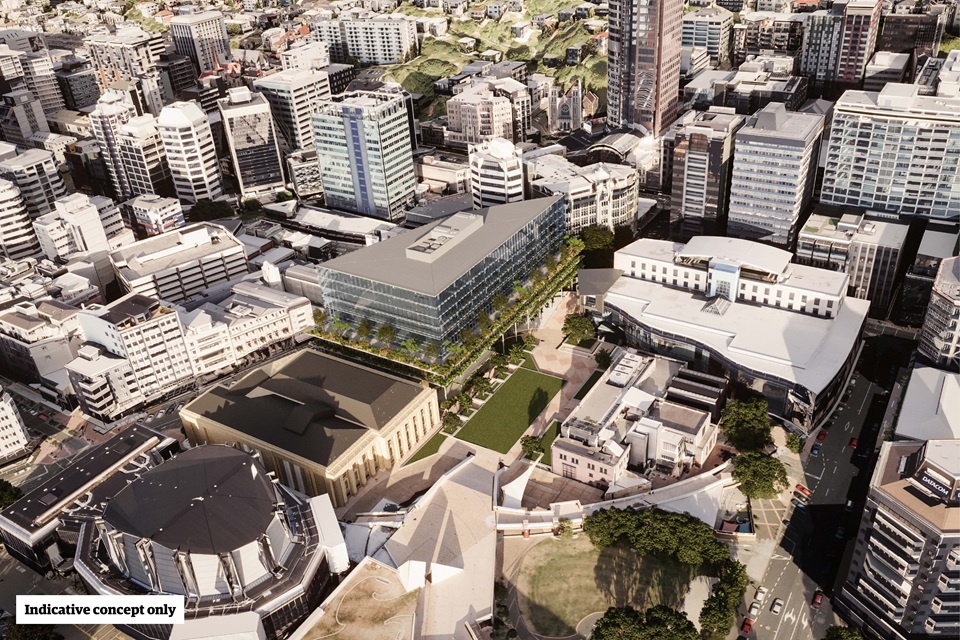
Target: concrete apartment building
252,140
919,32
430,283
203,38
143,158
72,227
22,117
762,33
496,173
371,38
487,108
293,94
873,132
179,264
36,175
643,75
940,337
839,42
13,433
135,352
342,423
785,330
17,237
710,28
601,194
311,55
190,150
774,170
152,214
905,574
38,339
41,80
886,68
702,169
364,150
78,82
129,53
868,251
112,112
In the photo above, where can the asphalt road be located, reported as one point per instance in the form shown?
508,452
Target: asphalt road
813,550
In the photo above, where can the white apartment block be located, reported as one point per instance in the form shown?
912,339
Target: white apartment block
37,340
381,39
130,52
41,80
111,113
17,238
111,219
940,337
252,140
13,433
710,28
364,152
21,116
496,173
142,156
180,263
866,250
254,317
153,215
190,150
55,143
774,169
293,94
895,151
203,38
72,227
600,194
144,355
310,55
488,108
36,175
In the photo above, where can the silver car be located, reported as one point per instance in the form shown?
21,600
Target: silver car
777,606
754,610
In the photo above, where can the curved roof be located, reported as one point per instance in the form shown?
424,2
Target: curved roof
744,252
210,499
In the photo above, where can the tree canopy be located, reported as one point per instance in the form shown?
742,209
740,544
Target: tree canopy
206,209
843,633
603,358
14,631
746,424
8,494
386,334
760,476
596,238
626,623
718,612
578,327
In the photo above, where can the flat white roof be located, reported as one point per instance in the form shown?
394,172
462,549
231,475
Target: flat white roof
743,252
931,406
788,345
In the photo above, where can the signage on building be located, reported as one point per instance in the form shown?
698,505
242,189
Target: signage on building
934,485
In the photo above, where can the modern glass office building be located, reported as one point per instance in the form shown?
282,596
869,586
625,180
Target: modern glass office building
430,283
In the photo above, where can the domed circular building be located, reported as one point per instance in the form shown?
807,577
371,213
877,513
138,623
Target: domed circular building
210,524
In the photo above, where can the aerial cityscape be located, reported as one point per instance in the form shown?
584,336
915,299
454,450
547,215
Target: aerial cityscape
481,319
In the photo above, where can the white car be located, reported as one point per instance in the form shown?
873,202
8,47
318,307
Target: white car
776,606
754,610
761,594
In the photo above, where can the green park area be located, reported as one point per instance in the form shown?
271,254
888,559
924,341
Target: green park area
429,448
500,422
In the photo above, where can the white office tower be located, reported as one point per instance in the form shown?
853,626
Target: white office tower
129,53
292,95
35,173
21,116
73,227
112,112
248,125
496,173
188,143
153,215
144,161
774,169
363,148
710,28
895,151
203,38
940,338
13,433
17,239
135,352
313,55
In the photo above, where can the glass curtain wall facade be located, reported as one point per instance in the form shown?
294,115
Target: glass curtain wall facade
441,317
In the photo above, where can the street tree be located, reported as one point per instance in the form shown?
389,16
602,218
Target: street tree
843,633
364,329
619,623
578,327
603,359
9,494
760,476
531,446
386,334
746,424
596,238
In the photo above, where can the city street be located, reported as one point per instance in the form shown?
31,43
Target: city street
811,553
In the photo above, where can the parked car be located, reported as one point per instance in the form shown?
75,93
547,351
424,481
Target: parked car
817,601
815,450
761,594
747,626
162,411
853,443
822,436
840,533
754,610
802,489
776,607
799,505
849,506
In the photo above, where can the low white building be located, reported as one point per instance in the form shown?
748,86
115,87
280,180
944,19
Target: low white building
13,433
496,173
153,215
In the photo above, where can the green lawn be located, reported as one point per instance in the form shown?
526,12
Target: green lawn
948,44
528,363
429,448
561,581
547,439
515,405
592,380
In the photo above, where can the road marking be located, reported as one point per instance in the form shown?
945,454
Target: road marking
826,493
865,398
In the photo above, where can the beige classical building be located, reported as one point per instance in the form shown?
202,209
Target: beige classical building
323,425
